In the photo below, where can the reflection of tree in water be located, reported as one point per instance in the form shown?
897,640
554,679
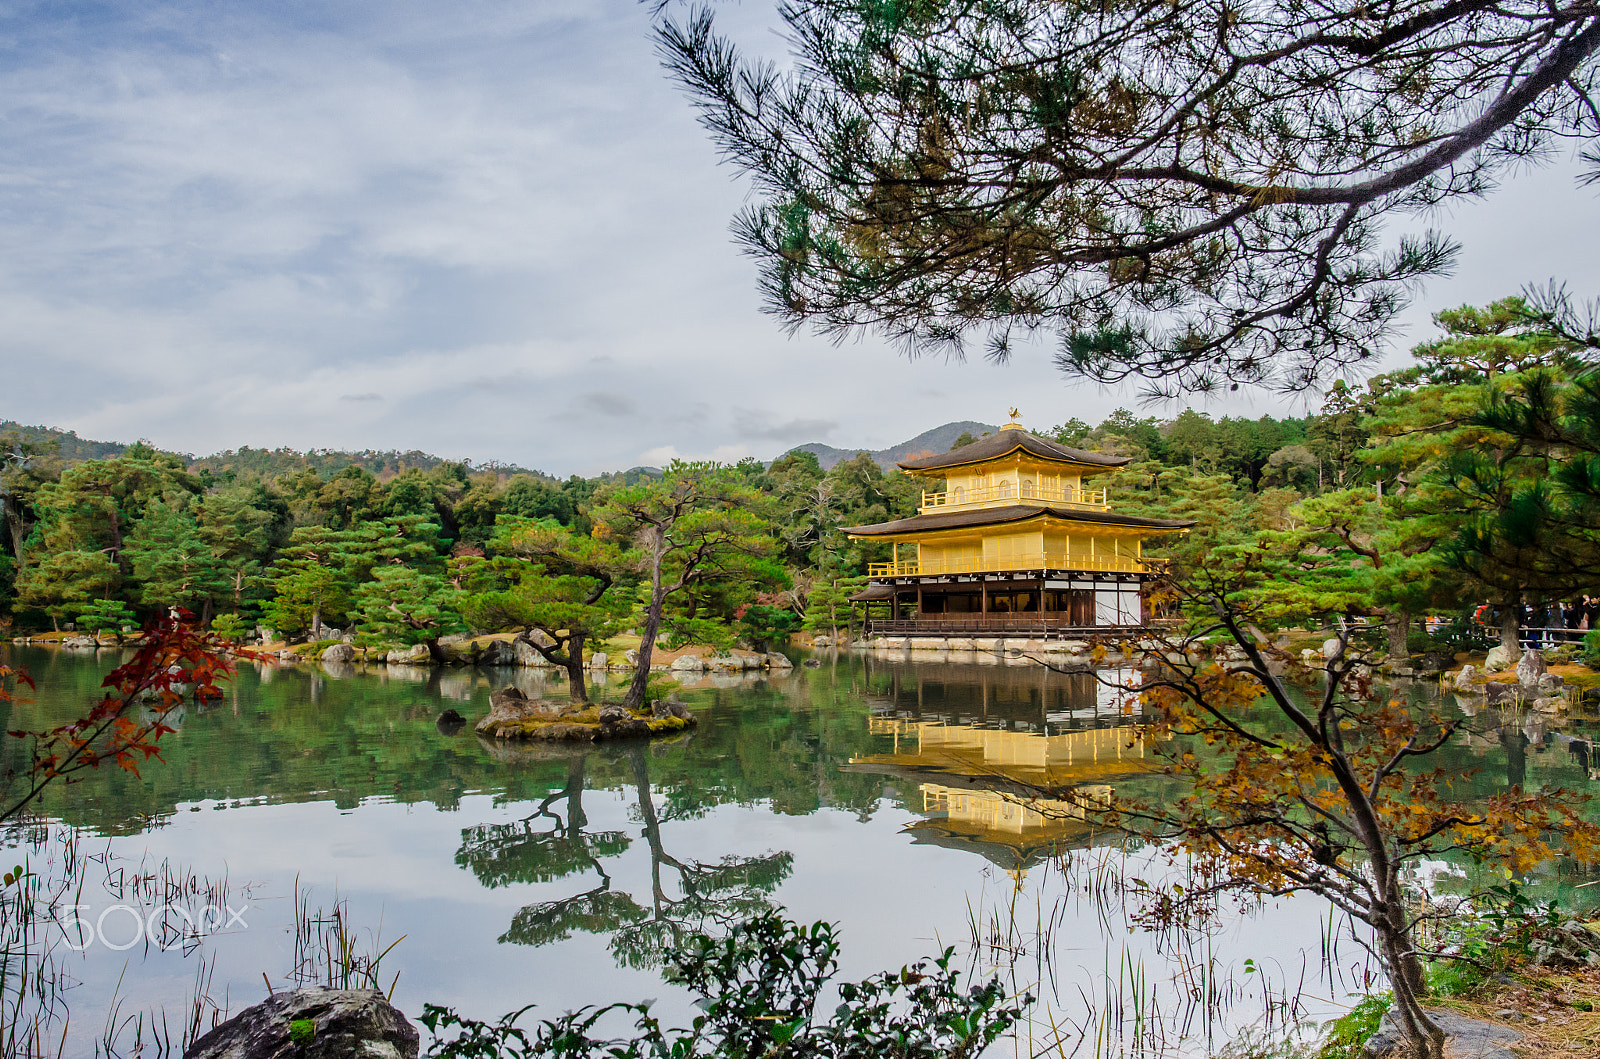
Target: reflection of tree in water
712,897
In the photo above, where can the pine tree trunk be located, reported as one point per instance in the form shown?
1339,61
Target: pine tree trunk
578,689
652,624
1511,626
1398,626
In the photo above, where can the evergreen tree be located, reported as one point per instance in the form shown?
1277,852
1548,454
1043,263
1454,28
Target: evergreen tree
172,563
828,604
1183,192
104,615
62,582
696,526
404,605
561,590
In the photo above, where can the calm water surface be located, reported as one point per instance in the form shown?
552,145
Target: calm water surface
865,791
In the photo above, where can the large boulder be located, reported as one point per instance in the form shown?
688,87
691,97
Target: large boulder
526,655
1464,679
510,710
497,653
313,1023
416,654
339,653
1465,1038
1551,684
1330,648
1502,657
671,706
687,664
1530,667
1498,691
599,660
778,660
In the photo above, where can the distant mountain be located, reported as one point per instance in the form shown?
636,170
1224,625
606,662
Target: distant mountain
73,449
939,439
266,462
271,463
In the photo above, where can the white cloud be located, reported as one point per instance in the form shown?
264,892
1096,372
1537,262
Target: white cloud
502,221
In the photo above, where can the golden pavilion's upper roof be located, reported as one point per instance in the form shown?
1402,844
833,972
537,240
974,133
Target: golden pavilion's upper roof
1004,442
1020,512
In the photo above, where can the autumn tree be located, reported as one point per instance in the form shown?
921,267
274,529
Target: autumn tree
1315,779
696,527
1191,193
176,660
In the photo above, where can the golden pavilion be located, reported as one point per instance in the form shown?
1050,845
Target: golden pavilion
1017,542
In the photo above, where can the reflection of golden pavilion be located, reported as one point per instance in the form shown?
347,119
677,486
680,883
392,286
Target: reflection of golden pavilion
984,811
991,797
1016,759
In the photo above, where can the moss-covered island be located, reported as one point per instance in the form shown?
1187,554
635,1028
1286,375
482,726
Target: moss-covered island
513,715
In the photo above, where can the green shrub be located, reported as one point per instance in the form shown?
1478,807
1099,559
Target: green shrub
1590,653
758,989
231,627
1349,1032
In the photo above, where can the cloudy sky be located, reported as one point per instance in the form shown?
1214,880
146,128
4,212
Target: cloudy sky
490,230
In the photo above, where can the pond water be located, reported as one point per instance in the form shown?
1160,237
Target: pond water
867,791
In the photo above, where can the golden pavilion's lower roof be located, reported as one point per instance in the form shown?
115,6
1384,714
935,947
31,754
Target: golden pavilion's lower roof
1017,513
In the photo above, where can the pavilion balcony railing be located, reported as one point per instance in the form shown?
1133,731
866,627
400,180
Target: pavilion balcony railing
1001,564
1031,622
1007,492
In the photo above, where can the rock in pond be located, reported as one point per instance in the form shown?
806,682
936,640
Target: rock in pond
1464,679
449,722
1498,691
1530,667
313,1023
672,706
339,652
